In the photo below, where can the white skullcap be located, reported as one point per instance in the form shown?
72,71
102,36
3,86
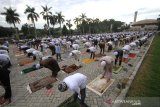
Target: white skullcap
115,53
37,66
103,63
70,54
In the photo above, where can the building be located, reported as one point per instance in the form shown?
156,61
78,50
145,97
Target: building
147,25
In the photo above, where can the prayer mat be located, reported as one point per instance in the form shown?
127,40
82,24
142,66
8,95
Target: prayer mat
99,86
132,55
39,84
116,69
18,53
125,60
70,103
21,57
27,70
88,60
71,68
25,62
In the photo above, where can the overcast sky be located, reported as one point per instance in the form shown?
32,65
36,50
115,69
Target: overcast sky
122,10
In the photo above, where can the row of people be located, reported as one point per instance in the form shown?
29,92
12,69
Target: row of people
5,63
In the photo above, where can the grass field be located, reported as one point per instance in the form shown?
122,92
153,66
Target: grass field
147,80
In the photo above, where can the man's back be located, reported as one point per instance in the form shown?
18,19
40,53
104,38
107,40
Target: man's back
76,81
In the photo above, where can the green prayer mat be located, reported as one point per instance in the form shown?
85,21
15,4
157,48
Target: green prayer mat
27,70
116,70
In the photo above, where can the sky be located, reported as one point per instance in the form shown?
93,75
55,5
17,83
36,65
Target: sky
121,10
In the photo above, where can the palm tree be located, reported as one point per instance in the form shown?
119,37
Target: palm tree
69,25
83,17
96,24
46,15
33,16
60,18
82,20
12,18
53,20
89,21
76,21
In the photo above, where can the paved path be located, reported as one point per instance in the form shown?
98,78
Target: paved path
52,98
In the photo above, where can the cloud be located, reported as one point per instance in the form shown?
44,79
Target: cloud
122,10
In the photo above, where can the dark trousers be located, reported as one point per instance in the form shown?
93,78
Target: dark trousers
83,96
109,48
58,55
34,57
120,60
41,48
101,50
53,52
92,55
30,54
5,80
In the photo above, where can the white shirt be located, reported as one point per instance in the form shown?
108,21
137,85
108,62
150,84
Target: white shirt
127,47
30,50
3,52
88,44
132,44
5,47
76,82
110,42
92,49
108,59
45,57
37,53
75,46
23,46
4,59
76,52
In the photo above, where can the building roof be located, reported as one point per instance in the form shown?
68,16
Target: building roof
145,22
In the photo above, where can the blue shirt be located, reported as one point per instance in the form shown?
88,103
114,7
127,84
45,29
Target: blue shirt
58,49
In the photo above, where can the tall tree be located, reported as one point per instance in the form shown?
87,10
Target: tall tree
64,30
76,21
89,22
12,18
25,29
69,25
33,16
82,20
53,20
60,18
46,15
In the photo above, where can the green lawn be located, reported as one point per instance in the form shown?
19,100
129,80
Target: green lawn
147,80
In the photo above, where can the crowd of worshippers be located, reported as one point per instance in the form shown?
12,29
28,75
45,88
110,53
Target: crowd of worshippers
38,47
76,82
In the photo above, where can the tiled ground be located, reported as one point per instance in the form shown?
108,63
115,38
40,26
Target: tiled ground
52,98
